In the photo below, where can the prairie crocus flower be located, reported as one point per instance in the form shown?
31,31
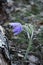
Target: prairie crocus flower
17,28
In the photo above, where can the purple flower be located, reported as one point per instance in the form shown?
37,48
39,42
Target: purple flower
17,28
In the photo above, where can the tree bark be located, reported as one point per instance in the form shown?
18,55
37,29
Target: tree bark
2,60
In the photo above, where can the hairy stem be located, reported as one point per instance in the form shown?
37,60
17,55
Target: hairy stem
28,49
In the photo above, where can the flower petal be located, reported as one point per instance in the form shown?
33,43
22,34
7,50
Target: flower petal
14,24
